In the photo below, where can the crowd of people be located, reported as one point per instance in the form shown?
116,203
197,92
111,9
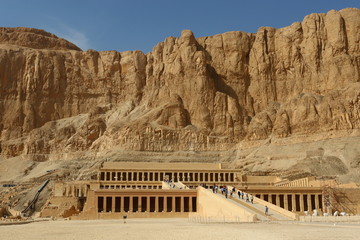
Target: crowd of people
241,195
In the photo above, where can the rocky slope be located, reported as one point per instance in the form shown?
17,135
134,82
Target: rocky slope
196,99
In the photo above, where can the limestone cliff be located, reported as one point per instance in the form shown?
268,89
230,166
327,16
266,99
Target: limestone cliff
189,94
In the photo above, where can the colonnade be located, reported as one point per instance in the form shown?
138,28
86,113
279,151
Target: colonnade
131,186
71,190
296,202
303,182
138,203
183,176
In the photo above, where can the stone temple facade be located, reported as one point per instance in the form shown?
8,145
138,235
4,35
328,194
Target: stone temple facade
144,189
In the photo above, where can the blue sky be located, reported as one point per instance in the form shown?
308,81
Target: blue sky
141,24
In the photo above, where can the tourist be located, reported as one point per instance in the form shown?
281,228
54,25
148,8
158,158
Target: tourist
266,211
252,199
242,195
239,194
216,188
226,192
247,197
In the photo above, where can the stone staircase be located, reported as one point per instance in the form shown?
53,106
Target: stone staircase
275,213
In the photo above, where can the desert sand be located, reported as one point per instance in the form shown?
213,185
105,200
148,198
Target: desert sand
176,229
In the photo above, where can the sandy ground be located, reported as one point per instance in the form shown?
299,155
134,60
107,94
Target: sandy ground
175,229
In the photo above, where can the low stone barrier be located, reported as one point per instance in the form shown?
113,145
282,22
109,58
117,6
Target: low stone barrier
272,207
330,219
194,217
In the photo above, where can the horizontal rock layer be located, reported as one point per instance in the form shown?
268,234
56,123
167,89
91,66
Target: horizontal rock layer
188,94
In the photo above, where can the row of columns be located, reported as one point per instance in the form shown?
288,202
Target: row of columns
295,202
132,186
119,204
161,176
70,190
304,182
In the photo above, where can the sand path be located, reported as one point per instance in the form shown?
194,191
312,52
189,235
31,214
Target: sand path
174,229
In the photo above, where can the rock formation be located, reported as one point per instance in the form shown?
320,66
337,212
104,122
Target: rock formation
215,93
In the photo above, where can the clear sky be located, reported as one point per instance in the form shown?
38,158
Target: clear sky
124,25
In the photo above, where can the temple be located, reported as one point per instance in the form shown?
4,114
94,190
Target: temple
144,189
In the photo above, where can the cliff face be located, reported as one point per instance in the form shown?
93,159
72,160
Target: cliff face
203,94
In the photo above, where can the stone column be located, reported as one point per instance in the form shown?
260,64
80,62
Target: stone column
190,204
277,200
172,177
104,204
131,204
310,207
270,198
139,204
112,204
173,204
293,202
286,201
121,204
301,203
165,204
156,204
148,204
317,206
182,204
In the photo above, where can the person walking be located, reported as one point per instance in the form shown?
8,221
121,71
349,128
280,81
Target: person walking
252,199
239,194
266,210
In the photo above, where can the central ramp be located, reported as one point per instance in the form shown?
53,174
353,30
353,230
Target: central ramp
215,208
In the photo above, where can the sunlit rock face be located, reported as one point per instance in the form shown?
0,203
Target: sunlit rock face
188,94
